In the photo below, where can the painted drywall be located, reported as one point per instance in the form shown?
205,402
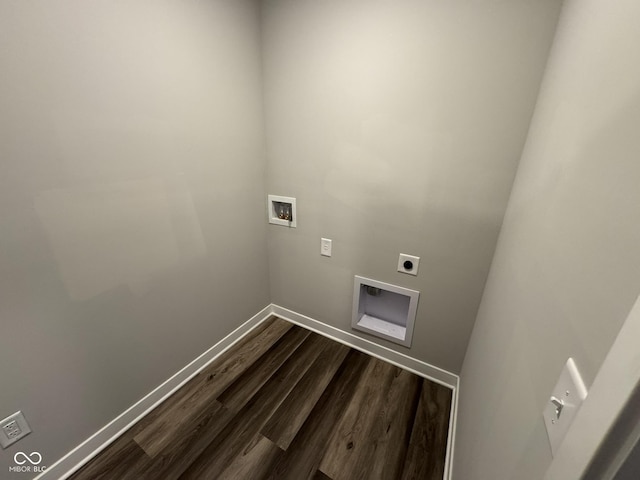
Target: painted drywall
398,127
565,274
132,230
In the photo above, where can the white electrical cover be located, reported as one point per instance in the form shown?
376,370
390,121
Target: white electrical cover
570,392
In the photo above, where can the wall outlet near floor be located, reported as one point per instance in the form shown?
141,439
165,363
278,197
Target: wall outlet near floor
563,404
13,428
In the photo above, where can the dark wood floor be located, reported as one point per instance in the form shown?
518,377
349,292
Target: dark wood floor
285,403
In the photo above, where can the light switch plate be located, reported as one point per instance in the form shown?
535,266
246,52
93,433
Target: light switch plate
563,404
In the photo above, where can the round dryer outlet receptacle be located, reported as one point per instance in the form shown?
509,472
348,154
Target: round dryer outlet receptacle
408,264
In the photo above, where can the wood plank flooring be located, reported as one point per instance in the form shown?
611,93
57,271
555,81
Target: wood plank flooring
286,403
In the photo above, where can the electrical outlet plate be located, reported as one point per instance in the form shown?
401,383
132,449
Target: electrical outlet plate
565,400
13,428
325,247
415,262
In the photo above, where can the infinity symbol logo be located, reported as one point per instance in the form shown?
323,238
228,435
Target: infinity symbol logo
28,458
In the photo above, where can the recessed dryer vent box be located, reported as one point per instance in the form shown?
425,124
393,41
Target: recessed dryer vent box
384,310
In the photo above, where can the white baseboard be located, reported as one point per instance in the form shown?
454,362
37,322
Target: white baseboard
418,367
83,453
423,369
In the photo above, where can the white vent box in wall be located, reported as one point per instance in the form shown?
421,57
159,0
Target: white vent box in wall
384,310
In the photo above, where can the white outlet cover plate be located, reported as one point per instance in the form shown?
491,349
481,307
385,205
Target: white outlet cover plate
415,260
325,247
572,391
22,425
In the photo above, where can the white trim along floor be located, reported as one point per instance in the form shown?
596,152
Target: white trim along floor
83,453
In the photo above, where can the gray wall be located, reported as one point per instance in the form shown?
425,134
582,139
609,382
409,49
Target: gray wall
398,126
565,273
132,232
